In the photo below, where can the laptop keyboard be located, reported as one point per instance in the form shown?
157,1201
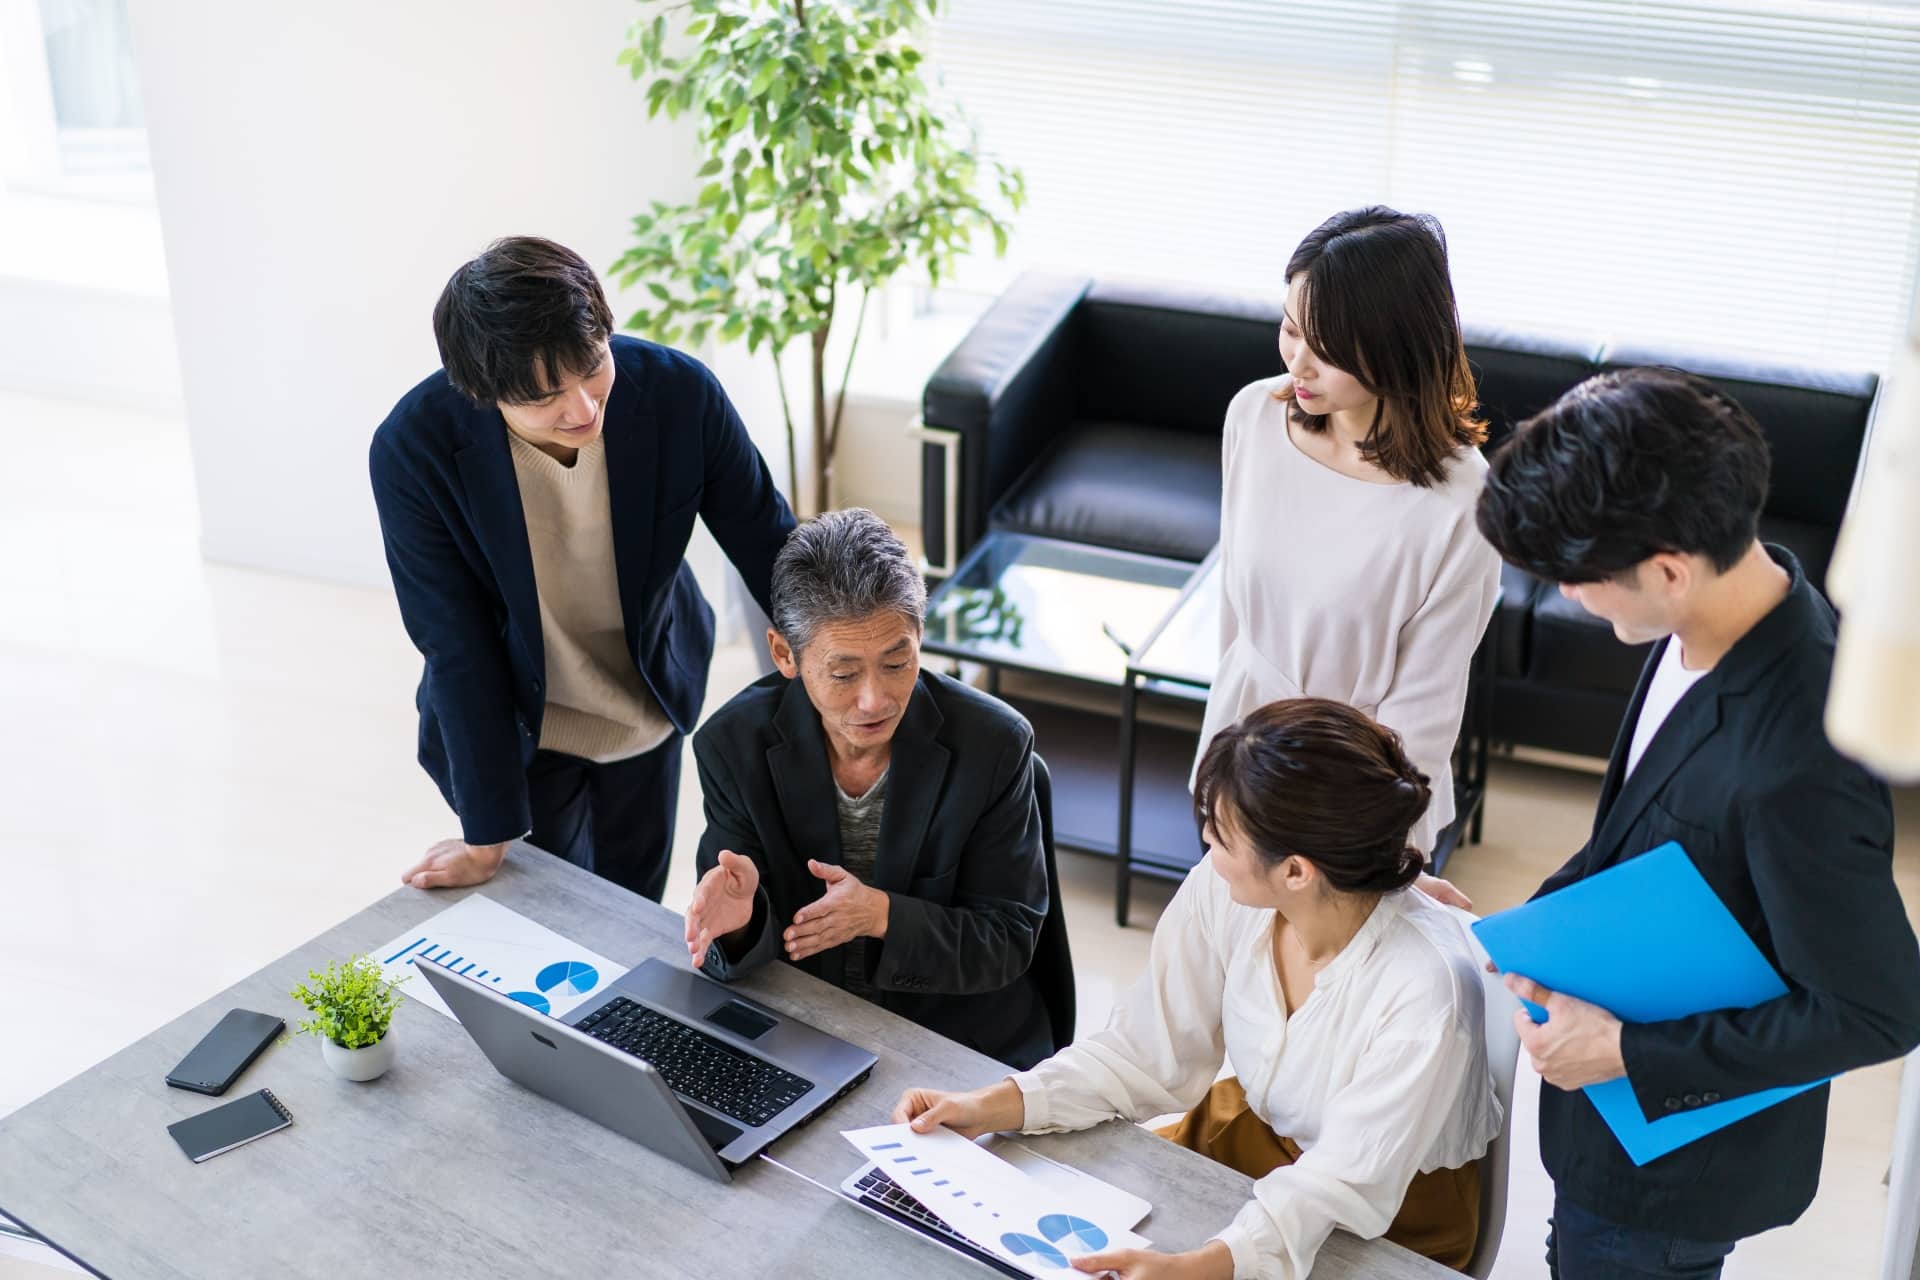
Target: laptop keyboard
883,1193
695,1064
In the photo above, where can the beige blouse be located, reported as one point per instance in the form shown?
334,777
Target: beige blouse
1375,595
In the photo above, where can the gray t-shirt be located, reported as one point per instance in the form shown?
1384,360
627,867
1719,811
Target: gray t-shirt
859,842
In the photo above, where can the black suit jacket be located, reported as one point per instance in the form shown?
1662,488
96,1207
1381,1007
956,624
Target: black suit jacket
456,540
1798,843
959,855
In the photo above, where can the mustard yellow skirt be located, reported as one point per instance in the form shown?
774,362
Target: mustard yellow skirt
1439,1219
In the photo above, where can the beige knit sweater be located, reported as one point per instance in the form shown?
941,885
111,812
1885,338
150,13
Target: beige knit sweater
598,706
1333,587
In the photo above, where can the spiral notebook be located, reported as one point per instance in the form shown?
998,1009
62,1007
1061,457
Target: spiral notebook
229,1125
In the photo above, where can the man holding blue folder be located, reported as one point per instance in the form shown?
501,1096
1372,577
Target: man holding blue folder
1639,492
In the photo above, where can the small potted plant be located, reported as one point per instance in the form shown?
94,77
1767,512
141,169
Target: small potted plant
352,1004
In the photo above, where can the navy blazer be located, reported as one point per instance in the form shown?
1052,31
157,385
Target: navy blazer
959,854
456,540
1797,841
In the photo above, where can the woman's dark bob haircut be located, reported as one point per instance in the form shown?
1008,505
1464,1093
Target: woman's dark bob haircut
1377,302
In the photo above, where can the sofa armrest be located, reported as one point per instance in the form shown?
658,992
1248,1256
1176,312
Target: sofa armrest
1001,395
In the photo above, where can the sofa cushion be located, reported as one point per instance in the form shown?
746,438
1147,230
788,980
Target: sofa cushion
1815,421
1573,649
1517,375
1513,620
1171,355
1811,544
1118,484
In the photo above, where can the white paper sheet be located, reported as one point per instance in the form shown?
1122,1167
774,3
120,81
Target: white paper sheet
480,939
1107,1200
1035,1226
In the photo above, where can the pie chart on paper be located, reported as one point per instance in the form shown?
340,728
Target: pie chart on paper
1073,1233
1021,1246
568,977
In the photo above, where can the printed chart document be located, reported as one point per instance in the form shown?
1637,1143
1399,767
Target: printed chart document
1038,1226
1648,941
480,939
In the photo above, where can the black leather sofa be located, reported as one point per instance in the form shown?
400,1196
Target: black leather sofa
1092,411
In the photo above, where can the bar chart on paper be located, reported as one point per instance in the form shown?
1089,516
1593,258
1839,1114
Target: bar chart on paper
479,939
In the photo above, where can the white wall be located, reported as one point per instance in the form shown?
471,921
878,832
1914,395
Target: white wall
320,171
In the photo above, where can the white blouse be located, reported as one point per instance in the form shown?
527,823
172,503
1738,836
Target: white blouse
1380,1074
1333,587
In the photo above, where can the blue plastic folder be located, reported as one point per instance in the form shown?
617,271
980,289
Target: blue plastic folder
1649,941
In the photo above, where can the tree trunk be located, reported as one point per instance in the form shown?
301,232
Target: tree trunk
822,458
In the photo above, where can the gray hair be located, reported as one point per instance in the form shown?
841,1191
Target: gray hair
840,567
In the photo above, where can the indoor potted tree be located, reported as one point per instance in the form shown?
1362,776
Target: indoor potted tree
352,1004
829,168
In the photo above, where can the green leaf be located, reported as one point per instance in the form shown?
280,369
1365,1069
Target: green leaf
710,168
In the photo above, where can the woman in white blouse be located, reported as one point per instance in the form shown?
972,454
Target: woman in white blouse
1349,1004
1350,563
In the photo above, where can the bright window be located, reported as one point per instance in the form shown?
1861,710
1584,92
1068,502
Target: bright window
1715,173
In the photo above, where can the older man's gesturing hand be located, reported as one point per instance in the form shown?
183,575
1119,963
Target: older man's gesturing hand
847,910
722,903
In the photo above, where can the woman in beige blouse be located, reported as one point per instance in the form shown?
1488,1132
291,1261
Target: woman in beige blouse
1350,564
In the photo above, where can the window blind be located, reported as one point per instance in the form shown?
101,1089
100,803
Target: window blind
1728,174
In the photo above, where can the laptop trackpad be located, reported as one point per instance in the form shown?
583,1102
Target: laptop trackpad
716,1131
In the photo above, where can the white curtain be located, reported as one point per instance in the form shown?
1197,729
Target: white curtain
1734,174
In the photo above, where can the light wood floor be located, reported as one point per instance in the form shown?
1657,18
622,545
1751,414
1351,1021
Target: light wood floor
206,766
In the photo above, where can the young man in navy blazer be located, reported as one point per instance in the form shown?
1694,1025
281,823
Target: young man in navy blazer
536,496
1639,492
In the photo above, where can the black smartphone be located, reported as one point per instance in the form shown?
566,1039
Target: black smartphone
229,1125
224,1052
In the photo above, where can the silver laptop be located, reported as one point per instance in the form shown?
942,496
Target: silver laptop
668,1058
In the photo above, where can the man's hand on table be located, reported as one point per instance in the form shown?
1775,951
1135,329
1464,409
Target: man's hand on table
452,864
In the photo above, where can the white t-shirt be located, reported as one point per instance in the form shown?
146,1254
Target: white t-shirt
1670,683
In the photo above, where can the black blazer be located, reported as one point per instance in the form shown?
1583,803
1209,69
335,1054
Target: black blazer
456,539
959,854
1798,843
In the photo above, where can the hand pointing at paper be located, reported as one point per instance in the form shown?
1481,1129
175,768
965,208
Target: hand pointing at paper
1578,1044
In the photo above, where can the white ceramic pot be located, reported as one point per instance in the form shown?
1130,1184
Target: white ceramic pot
369,1063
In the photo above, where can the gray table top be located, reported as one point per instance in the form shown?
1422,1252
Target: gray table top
443,1167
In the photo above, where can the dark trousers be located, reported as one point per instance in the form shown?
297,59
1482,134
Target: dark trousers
1585,1246
615,820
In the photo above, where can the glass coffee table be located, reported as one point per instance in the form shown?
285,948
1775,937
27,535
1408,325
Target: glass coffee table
1054,608
1148,630
1075,612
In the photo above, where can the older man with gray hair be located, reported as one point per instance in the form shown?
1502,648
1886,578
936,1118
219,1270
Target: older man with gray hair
871,822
